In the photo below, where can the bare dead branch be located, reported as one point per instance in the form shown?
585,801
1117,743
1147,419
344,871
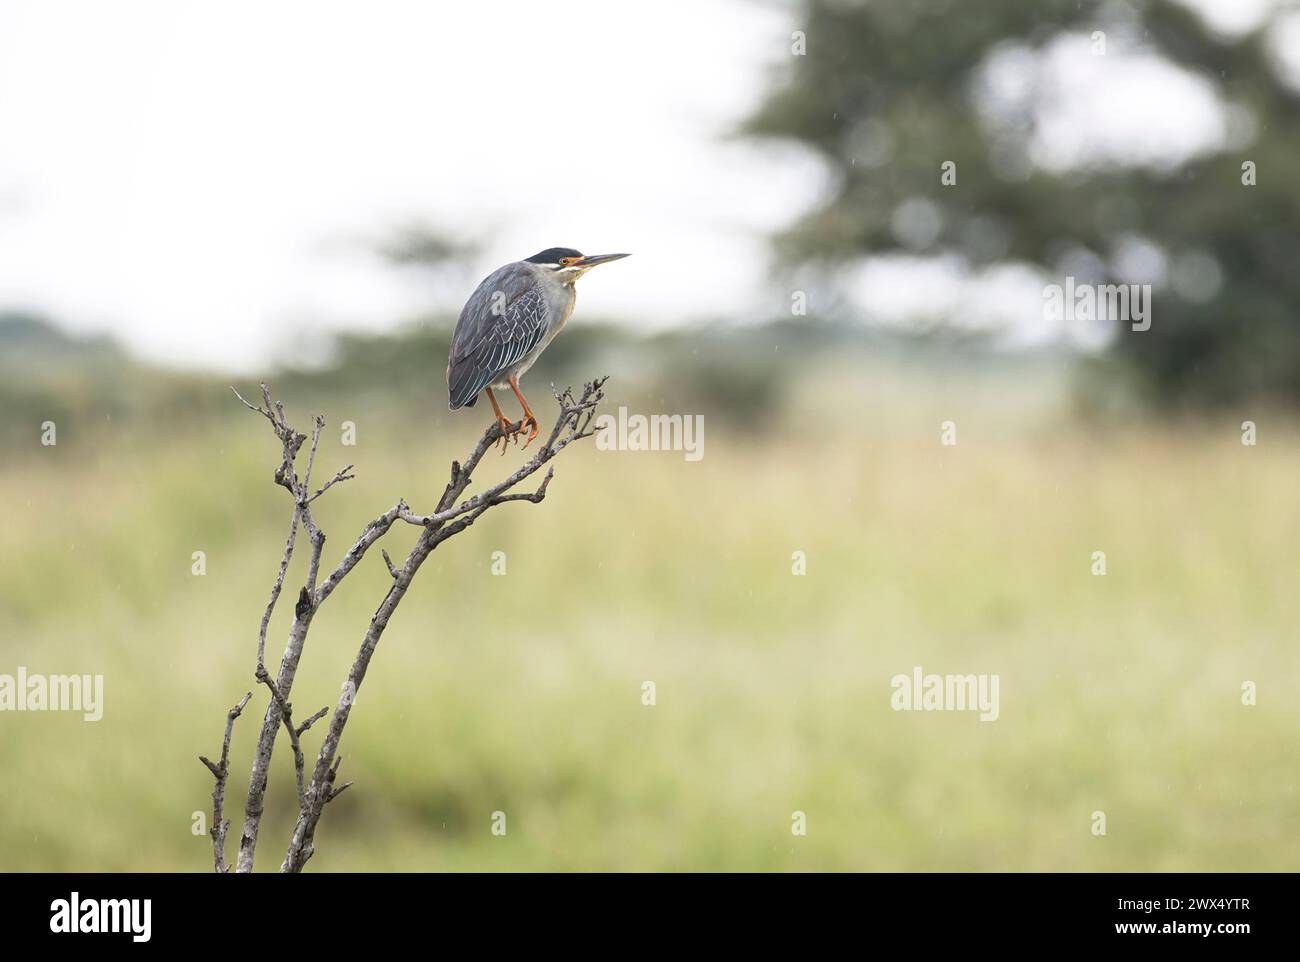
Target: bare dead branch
571,412
536,497
295,734
251,406
278,585
291,442
332,792
448,519
439,527
318,424
220,771
338,791
373,532
313,719
317,537
340,475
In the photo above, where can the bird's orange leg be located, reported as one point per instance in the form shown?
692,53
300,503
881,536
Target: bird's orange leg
530,419
501,419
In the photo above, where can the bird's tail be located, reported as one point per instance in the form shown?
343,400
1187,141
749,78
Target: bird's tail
462,389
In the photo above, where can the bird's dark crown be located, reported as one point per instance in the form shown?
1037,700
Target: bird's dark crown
552,255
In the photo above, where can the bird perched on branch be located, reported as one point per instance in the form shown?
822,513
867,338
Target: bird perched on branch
507,323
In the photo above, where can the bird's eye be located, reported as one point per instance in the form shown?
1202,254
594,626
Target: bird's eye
566,261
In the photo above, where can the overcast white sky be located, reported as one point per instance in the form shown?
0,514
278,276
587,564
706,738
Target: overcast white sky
204,179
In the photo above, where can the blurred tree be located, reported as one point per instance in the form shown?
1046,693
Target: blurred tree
890,90
422,245
27,337
87,385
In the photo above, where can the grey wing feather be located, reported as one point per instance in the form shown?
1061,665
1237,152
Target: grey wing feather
488,342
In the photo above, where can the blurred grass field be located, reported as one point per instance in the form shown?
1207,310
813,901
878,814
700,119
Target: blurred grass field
522,693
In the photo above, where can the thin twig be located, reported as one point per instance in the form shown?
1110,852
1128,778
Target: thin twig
220,771
278,585
295,734
318,424
340,475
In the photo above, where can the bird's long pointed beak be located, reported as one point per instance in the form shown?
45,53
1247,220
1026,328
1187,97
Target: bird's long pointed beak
591,260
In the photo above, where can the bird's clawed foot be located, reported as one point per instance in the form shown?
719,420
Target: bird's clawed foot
530,425
509,431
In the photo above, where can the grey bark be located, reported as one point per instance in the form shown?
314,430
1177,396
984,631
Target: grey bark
447,520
